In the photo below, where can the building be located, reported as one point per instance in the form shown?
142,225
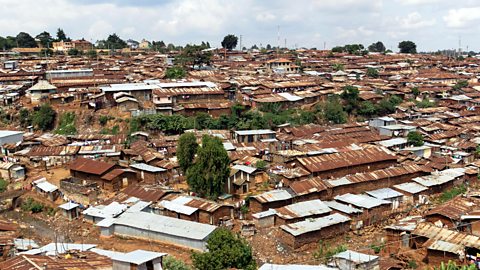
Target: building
282,65
41,91
11,171
242,179
160,228
92,171
249,136
10,137
271,199
47,189
301,211
70,210
353,260
309,231
150,174
138,260
64,46
116,179
68,73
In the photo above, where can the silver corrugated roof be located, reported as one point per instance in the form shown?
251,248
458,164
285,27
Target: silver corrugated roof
347,209
384,193
410,187
146,167
356,257
362,201
303,209
315,224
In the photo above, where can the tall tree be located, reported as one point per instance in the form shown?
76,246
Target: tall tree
211,169
229,42
407,47
377,47
350,95
24,40
44,118
226,250
193,55
45,39
115,42
415,138
186,150
61,36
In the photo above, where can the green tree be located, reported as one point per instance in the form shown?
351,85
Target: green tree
61,36
73,52
333,111
425,103
451,265
415,138
338,49
170,263
24,40
229,42
354,48
66,124
176,72
92,53
367,109
407,47
211,168
193,55
25,117
226,250
338,67
3,185
415,91
377,47
186,150
350,95
7,43
44,118
372,73
45,39
114,42
460,84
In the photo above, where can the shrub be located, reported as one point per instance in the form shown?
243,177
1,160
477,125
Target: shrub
30,205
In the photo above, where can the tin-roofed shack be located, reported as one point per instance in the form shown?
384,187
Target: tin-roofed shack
271,199
92,171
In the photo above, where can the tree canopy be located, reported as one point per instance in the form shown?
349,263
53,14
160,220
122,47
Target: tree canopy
24,40
186,150
226,250
211,169
176,72
377,47
229,42
407,47
333,112
44,118
45,39
372,72
350,95
194,55
113,42
61,36
415,138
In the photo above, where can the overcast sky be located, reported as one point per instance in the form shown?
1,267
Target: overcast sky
432,24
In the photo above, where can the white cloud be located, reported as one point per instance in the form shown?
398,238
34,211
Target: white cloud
414,21
462,17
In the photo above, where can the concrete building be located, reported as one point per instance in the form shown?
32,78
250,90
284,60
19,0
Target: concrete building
41,91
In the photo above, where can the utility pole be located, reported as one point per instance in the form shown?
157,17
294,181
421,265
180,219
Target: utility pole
241,48
278,39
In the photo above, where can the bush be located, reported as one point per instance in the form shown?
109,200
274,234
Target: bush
66,125
261,164
30,205
170,263
3,185
324,251
44,118
452,193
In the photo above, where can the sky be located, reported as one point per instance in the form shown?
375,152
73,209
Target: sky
431,24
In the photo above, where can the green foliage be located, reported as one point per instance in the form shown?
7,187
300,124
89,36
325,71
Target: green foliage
367,109
186,150
211,168
175,72
415,91
193,55
377,248
25,117
3,185
332,111
61,36
372,73
338,67
460,84
73,52
7,43
449,194
24,40
388,105
103,119
113,42
66,125
226,250
44,118
407,47
30,205
415,138
377,47
451,265
350,95
170,263
425,103
350,48
45,39
92,53
412,264
261,164
229,42
325,252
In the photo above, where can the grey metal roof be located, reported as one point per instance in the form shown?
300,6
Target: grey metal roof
244,168
347,209
268,266
68,206
60,248
392,142
166,225
315,224
255,132
6,133
105,211
446,246
356,257
44,185
268,213
384,193
25,244
362,201
439,178
178,208
146,167
303,209
138,256
410,187
274,195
